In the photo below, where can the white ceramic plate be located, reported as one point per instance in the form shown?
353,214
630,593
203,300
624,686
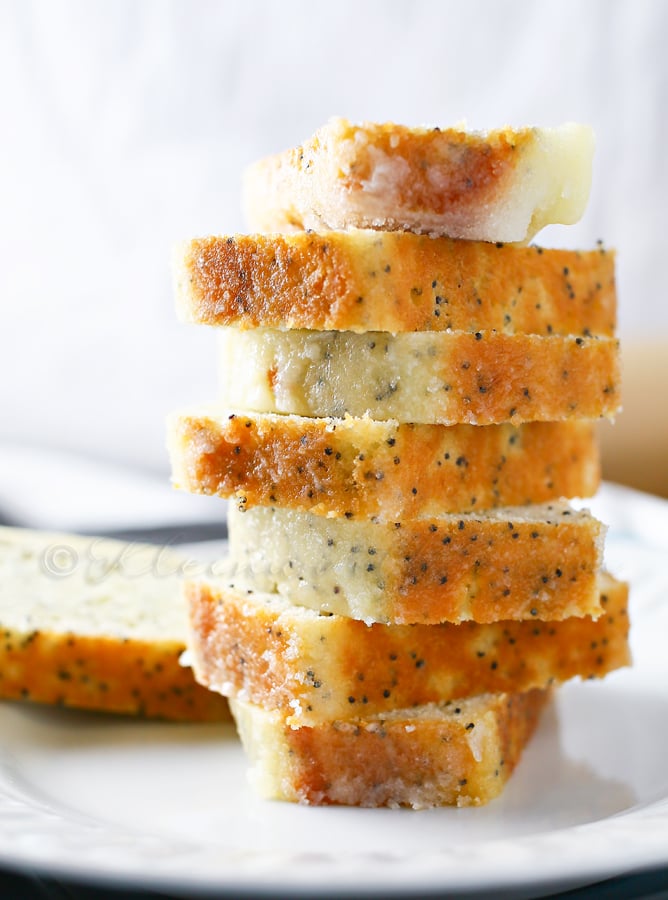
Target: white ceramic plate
167,806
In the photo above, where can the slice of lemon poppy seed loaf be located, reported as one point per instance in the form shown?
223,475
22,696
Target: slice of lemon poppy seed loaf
319,667
363,468
503,185
96,624
519,562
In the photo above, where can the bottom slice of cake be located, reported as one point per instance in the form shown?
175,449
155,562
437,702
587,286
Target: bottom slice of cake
438,754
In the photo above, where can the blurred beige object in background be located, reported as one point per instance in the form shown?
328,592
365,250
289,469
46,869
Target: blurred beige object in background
635,447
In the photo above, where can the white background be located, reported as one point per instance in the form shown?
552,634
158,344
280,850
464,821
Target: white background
126,125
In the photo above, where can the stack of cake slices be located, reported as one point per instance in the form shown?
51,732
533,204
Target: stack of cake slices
408,396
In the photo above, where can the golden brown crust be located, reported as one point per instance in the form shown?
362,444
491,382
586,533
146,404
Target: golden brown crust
316,668
130,677
503,185
433,756
361,468
538,563
443,378
381,281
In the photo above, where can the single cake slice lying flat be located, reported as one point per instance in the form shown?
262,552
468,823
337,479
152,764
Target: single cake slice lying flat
96,624
393,281
359,467
502,185
522,562
454,753
445,378
315,667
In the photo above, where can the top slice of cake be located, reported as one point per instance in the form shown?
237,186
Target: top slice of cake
502,185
